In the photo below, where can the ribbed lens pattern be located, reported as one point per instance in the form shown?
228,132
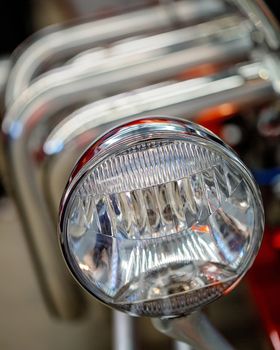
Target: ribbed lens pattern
147,165
162,227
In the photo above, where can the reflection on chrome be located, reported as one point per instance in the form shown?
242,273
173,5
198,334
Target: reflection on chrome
154,216
183,97
137,49
60,43
174,59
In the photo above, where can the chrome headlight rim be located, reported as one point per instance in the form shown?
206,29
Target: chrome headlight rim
126,136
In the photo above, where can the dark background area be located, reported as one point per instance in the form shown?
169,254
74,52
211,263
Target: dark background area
15,24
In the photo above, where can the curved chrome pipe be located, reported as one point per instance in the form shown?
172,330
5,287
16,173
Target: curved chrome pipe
40,103
228,39
62,43
70,137
263,20
195,330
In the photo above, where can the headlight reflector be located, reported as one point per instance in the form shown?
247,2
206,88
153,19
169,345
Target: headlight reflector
159,218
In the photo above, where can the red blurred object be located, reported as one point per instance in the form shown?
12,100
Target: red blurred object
213,118
264,276
264,282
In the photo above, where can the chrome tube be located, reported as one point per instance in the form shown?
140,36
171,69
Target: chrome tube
262,18
45,101
178,345
62,43
223,44
185,99
42,101
194,330
123,332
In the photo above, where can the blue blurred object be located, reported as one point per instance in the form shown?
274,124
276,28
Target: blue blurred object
265,177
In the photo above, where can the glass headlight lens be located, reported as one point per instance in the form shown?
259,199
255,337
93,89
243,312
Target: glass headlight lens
160,218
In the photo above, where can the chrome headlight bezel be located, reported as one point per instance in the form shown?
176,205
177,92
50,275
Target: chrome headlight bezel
124,137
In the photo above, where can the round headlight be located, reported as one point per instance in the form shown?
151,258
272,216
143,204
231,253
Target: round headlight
160,217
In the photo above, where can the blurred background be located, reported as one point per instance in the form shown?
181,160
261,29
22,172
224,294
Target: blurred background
243,316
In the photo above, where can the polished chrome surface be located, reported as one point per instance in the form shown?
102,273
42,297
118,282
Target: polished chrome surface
123,332
263,20
159,218
61,43
231,41
195,330
48,100
42,103
186,99
243,85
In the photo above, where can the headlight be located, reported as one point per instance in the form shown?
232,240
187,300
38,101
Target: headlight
160,217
